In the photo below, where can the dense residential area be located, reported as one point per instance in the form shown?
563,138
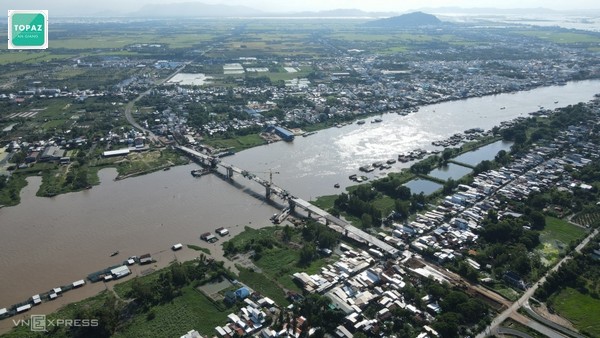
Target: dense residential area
452,231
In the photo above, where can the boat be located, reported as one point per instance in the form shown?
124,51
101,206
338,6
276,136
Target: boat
309,133
224,154
114,253
167,168
337,185
200,172
502,108
360,122
555,102
377,120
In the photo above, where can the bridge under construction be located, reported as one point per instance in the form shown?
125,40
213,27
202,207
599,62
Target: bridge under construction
271,189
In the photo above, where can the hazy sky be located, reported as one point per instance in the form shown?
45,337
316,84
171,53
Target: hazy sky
124,6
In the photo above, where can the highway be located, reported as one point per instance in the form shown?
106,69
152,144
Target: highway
525,297
131,104
513,332
334,223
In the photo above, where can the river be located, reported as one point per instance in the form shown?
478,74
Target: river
47,242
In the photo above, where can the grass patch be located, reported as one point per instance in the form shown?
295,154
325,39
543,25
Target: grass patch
67,312
141,163
277,261
385,203
237,143
199,248
260,283
506,292
191,310
559,230
556,237
325,202
579,309
564,37
10,193
250,235
518,326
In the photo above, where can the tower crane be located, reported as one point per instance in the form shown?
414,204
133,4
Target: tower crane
270,172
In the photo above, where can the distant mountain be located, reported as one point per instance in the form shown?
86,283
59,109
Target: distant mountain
414,19
484,10
195,9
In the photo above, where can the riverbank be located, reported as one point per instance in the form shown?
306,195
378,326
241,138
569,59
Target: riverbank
82,174
161,260
53,241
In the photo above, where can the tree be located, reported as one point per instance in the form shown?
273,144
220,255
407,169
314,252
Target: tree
367,220
307,254
18,158
447,155
286,234
449,186
446,325
502,157
142,292
483,166
179,275
538,221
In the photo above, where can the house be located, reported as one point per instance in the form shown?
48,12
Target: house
78,283
120,272
342,332
52,153
145,259
207,236
285,134
242,293
514,279
32,157
222,232
118,152
192,334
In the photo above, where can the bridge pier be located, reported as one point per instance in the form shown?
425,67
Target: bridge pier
230,173
292,205
268,192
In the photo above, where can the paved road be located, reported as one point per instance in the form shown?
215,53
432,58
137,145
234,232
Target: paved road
550,323
512,332
129,107
525,297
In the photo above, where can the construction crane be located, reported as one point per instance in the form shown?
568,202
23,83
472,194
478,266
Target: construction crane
270,172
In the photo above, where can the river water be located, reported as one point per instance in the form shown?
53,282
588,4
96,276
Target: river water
47,242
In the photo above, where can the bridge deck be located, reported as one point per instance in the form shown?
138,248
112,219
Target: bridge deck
353,231
345,227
